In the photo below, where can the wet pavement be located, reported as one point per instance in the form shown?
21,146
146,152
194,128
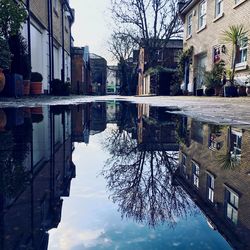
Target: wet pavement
210,109
116,175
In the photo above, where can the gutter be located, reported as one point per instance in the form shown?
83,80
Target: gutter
187,7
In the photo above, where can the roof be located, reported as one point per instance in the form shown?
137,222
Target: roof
187,6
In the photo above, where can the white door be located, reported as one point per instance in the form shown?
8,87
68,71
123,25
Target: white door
201,67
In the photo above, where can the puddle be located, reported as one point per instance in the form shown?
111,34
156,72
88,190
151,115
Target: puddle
114,175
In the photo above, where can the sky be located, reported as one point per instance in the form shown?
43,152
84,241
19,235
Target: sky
92,25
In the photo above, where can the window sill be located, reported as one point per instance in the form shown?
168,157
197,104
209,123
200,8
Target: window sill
218,17
239,3
188,37
241,66
201,28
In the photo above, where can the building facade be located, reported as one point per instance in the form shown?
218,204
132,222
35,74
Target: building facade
155,78
81,74
204,24
48,32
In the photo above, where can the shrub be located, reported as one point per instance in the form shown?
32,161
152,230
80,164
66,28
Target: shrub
209,91
5,54
36,77
60,88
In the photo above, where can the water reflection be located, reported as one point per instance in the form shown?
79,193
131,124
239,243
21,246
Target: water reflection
160,168
144,156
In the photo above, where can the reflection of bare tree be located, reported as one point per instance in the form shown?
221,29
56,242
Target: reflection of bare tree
141,181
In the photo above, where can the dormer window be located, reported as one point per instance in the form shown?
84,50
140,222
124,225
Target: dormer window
189,25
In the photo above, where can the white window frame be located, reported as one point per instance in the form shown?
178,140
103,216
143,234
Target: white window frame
243,46
195,174
232,205
189,25
218,8
202,14
210,188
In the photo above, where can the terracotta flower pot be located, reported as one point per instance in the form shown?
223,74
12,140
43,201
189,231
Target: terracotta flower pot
36,111
2,80
26,87
36,88
3,120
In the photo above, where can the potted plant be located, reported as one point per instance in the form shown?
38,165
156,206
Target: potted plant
233,35
4,61
213,79
36,83
60,88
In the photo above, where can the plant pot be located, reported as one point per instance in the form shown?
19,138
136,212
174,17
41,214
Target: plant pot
230,91
36,88
3,120
2,80
26,87
36,111
242,91
199,92
14,85
209,91
248,90
218,91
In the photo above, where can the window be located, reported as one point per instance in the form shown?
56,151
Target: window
189,25
210,187
242,56
218,7
232,205
202,14
195,173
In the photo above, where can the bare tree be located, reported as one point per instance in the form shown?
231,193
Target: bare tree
150,23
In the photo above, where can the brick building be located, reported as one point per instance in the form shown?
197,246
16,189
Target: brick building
219,189
48,31
155,78
204,22
98,67
81,73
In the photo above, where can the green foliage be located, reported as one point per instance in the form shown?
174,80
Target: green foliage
36,77
60,88
4,54
183,58
12,16
20,60
234,35
213,78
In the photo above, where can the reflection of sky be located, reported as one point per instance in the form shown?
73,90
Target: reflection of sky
91,221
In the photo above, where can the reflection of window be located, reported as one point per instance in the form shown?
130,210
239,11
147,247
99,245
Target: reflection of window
218,7
183,164
189,25
202,14
195,173
242,50
210,187
232,205
236,141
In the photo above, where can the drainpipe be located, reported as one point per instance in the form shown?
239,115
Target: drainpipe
29,33
63,45
50,49
52,38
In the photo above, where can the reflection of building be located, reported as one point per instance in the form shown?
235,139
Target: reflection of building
156,129
36,171
98,118
112,111
99,74
214,170
81,123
